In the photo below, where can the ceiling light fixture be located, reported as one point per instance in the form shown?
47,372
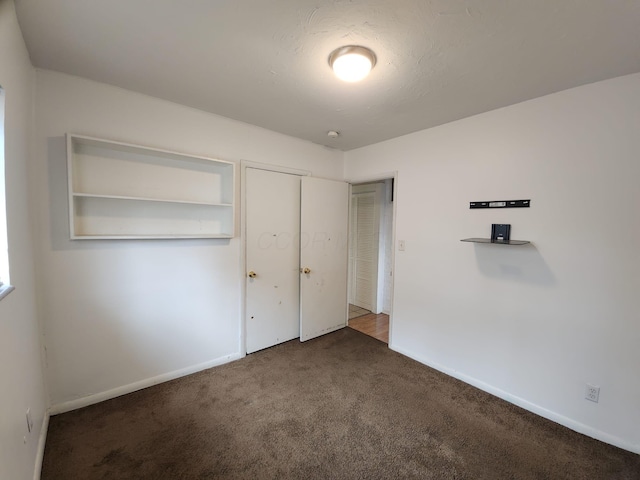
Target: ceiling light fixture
352,63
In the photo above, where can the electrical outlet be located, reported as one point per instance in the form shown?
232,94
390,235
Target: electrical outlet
29,420
592,393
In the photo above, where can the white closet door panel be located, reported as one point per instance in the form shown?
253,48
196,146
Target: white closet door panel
273,253
324,250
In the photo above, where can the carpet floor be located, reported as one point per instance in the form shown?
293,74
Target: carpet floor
342,406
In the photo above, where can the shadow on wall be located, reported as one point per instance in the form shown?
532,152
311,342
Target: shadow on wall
522,263
58,196
59,210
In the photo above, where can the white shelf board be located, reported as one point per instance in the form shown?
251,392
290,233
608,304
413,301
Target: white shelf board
149,237
146,199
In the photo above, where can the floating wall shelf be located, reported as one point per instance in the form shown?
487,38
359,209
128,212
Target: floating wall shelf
496,242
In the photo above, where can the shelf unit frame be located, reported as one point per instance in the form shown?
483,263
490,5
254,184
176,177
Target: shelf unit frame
124,191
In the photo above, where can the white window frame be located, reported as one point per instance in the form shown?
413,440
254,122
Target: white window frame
5,287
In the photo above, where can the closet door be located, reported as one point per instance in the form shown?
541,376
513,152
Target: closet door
323,256
273,256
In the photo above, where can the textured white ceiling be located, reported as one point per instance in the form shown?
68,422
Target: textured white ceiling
265,62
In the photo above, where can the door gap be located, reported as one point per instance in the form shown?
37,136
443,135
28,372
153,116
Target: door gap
370,300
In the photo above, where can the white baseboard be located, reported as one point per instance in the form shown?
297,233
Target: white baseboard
521,402
42,440
133,387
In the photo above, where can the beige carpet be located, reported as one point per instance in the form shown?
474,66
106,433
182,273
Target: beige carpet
342,406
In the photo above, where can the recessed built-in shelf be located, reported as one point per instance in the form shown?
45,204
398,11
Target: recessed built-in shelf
496,242
124,191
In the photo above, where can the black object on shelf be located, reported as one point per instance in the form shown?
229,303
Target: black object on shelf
501,204
488,240
500,232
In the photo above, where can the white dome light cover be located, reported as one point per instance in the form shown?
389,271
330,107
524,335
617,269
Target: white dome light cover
352,63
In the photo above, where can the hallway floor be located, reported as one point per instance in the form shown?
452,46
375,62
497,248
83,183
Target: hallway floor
373,324
355,311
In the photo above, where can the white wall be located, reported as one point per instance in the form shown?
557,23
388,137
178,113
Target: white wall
21,383
533,324
122,314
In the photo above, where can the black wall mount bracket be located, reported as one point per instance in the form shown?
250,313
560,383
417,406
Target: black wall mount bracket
501,204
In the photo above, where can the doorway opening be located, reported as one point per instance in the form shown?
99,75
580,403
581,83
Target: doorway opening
371,258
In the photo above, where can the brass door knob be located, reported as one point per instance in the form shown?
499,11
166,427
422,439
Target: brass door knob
252,274
306,270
